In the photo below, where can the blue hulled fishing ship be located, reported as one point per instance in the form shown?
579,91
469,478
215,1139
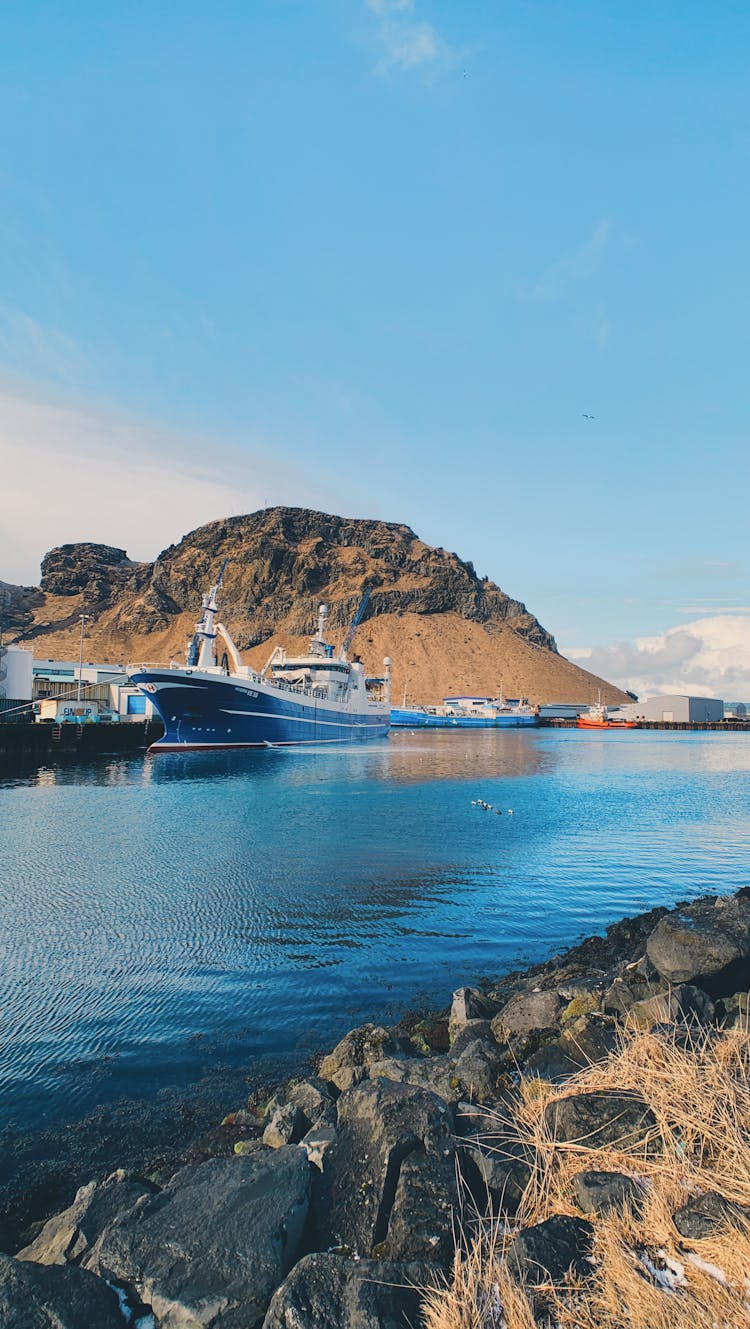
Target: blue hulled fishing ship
319,697
466,713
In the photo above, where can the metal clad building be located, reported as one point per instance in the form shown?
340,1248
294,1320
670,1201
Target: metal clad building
674,708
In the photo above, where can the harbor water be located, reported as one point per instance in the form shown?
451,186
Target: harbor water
160,916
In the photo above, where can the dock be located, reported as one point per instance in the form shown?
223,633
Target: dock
24,746
719,726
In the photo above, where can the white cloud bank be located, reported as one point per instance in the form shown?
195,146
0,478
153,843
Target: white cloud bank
709,657
71,472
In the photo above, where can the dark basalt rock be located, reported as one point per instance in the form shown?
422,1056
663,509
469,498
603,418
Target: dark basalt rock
528,1013
212,1247
472,1070
588,1038
683,1002
99,570
34,1296
547,1252
610,1118
358,1050
367,1198
706,943
17,606
469,1005
551,1063
332,1292
701,1217
68,1236
598,1192
497,1177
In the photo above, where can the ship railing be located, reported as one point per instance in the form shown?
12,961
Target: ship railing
296,688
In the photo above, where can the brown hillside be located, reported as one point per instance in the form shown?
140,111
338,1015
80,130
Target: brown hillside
445,629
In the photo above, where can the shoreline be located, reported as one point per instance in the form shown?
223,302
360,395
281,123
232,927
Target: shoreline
141,1134
371,1149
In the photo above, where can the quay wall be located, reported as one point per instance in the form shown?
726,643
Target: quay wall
29,745
721,726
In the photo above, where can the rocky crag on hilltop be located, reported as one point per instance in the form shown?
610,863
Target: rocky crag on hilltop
445,628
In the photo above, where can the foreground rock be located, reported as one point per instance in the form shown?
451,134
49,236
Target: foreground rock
69,1236
607,1119
388,1184
211,1248
548,1252
706,1214
598,1192
331,1292
706,943
34,1296
352,1058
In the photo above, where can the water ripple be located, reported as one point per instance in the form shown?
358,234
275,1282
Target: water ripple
265,901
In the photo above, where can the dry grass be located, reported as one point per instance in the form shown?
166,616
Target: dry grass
644,1274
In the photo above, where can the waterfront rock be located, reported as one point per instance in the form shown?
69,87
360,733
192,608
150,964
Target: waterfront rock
707,943
316,1142
528,1013
287,1126
682,1002
496,1177
702,1216
243,1148
68,1236
211,1248
358,1050
549,1251
437,1074
473,1031
551,1063
588,1038
625,990
608,1118
314,1097
35,1296
365,1188
469,1004
598,1192
332,1292
421,1223
473,1074
734,1010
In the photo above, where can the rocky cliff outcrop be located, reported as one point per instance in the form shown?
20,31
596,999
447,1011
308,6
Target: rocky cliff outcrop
445,627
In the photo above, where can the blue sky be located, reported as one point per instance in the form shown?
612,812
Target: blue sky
381,258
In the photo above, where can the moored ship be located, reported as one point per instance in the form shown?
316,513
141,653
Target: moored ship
598,717
466,713
319,697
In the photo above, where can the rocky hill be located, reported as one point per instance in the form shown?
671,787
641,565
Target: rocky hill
446,629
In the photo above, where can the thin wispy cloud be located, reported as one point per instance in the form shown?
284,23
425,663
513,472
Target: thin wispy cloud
708,657
406,41
577,266
40,350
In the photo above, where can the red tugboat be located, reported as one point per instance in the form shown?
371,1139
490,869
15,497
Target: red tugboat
598,717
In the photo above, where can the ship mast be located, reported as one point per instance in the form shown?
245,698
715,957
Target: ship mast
201,652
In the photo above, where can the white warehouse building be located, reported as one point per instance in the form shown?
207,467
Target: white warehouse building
674,708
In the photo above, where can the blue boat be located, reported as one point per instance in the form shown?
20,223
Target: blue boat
320,697
466,713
